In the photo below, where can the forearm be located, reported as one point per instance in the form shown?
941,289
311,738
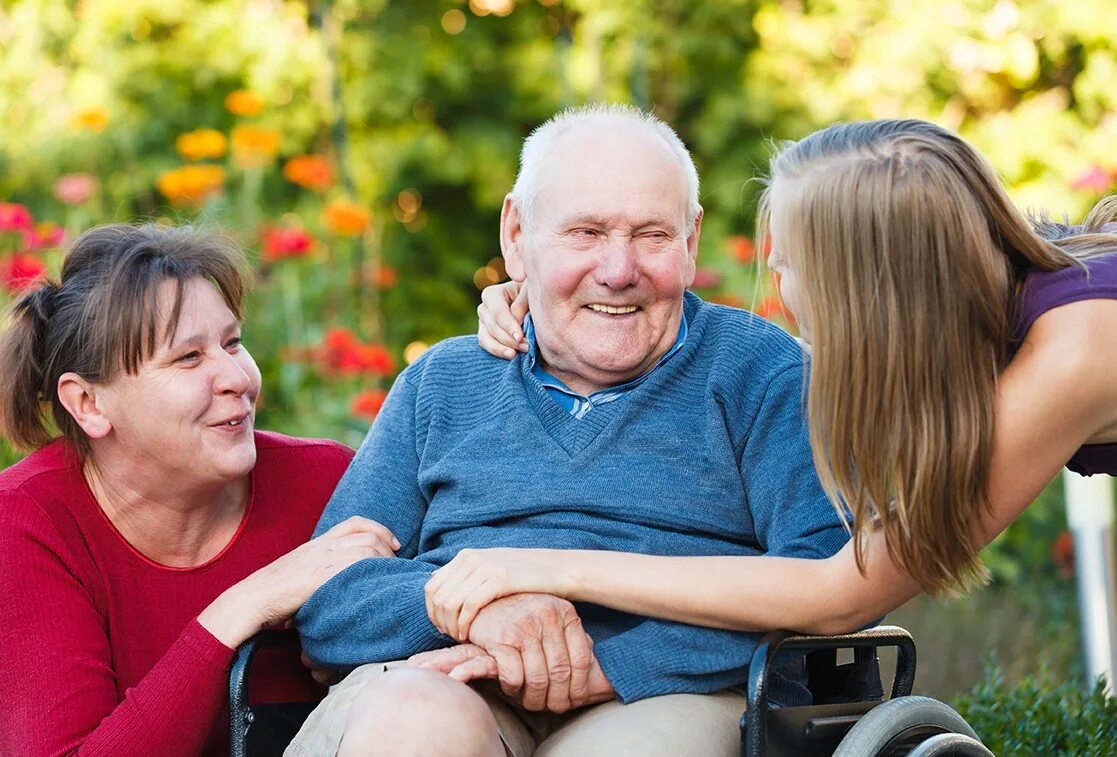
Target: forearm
744,593
372,612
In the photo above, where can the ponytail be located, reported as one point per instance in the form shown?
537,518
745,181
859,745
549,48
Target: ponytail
22,363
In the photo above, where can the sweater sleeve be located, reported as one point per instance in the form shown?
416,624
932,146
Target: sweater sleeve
375,610
58,692
792,518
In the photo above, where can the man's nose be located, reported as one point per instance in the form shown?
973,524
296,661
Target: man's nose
618,266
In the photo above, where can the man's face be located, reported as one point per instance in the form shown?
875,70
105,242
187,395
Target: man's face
607,256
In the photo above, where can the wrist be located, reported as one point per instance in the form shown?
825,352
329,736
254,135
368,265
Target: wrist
230,618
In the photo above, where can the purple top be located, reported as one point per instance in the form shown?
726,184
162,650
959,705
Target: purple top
1046,290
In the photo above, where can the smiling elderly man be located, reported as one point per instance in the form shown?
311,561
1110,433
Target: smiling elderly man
642,419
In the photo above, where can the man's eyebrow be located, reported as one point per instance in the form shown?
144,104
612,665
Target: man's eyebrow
583,219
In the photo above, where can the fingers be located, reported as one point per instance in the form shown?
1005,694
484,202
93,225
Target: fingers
510,670
579,647
357,524
496,316
519,306
475,668
557,660
537,677
445,660
493,337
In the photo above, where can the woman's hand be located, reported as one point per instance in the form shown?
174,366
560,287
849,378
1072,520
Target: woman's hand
463,587
500,319
274,593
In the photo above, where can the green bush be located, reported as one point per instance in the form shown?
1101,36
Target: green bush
1041,716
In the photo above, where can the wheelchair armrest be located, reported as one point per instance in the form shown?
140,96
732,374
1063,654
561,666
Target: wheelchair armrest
754,722
240,716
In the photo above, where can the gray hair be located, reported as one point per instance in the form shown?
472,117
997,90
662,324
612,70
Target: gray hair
540,142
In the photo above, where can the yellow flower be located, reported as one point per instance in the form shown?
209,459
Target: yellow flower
191,185
254,146
201,144
95,119
346,218
244,102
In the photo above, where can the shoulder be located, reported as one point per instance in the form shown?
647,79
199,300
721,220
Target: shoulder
40,499
454,367
1044,291
319,457
745,351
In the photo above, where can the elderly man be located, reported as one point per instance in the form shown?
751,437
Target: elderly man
642,419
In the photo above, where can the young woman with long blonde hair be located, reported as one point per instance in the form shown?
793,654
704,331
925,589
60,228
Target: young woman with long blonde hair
960,356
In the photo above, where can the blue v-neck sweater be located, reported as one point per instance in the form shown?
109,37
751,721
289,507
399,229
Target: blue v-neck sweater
708,456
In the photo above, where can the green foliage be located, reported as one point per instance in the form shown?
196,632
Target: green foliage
1041,716
430,99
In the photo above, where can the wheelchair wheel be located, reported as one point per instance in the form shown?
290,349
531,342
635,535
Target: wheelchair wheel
897,727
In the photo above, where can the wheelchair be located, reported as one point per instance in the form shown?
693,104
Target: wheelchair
849,716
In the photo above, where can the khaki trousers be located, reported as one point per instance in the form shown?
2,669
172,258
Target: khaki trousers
677,725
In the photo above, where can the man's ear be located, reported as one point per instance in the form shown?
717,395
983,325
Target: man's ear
79,397
511,239
692,248
692,240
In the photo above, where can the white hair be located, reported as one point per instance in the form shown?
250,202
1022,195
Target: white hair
540,142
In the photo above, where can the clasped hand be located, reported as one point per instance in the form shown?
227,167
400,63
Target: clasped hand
535,647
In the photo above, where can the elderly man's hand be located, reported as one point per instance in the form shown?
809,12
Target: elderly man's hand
537,649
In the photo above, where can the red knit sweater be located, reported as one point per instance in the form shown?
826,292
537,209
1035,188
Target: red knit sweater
100,652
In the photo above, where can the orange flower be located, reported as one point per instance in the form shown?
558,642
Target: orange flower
741,248
368,403
346,218
254,146
772,308
201,144
191,185
95,119
309,172
385,277
244,102
21,271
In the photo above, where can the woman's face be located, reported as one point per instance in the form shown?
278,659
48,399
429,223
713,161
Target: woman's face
782,260
188,413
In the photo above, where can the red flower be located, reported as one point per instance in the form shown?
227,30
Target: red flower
21,271
1062,552
45,235
289,242
343,353
15,217
368,403
706,278
741,248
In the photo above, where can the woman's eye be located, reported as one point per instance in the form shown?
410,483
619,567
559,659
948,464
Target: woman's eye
233,343
189,357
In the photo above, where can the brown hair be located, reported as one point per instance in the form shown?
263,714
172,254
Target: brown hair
102,317
909,254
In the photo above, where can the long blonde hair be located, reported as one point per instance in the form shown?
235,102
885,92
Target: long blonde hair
909,255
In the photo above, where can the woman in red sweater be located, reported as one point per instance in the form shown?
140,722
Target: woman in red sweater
161,529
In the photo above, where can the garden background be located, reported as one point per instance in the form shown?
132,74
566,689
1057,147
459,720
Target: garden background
360,151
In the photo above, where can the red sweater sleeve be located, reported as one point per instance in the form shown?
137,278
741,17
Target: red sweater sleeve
58,693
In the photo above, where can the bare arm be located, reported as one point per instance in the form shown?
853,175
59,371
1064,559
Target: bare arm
1058,394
